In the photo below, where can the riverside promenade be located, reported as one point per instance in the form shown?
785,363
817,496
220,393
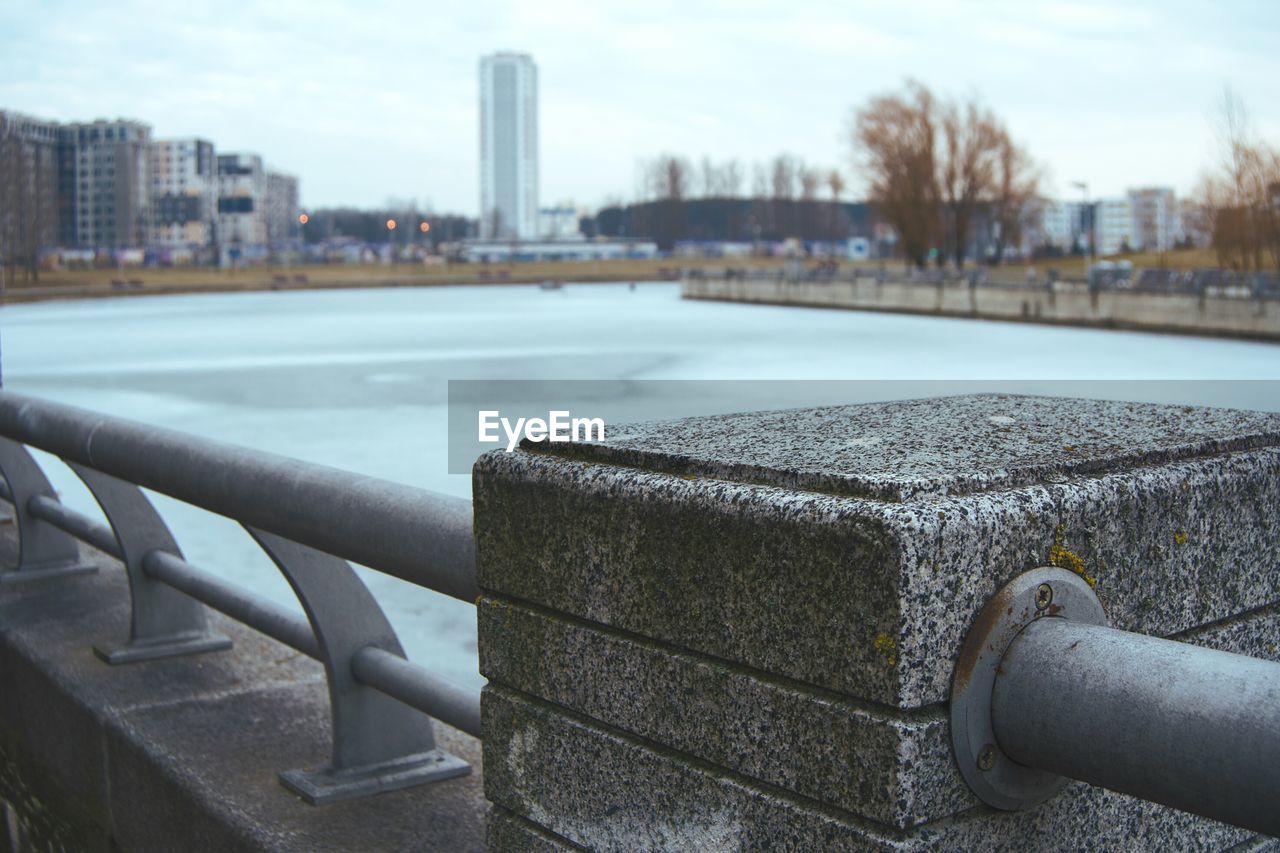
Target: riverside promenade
1217,310
821,629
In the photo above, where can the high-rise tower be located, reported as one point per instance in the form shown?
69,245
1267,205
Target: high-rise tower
508,147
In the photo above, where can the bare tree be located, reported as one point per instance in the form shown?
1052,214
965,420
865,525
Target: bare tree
835,183
972,139
895,138
1241,197
731,179
1015,200
670,182
709,178
783,172
670,178
836,221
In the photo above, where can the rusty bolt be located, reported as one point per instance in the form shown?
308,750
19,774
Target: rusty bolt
987,758
1044,596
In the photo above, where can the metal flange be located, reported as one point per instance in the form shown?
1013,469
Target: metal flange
1043,593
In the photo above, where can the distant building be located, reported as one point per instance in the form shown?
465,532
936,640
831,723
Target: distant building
1063,225
105,180
1114,225
242,200
30,160
559,222
1156,219
282,207
508,147
502,251
184,193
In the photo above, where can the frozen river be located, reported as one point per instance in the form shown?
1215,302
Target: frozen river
357,380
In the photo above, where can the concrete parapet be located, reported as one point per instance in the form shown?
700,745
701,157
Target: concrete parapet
1065,304
183,754
739,632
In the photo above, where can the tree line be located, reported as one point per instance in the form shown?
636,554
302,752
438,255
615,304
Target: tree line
1239,199
679,199
932,163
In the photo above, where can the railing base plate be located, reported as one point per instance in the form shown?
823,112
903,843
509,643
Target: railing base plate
45,572
1044,593
120,653
326,785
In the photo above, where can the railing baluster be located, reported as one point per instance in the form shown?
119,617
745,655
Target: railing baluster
379,743
164,622
44,551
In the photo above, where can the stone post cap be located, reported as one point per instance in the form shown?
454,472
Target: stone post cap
850,547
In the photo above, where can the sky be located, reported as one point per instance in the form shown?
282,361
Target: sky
373,101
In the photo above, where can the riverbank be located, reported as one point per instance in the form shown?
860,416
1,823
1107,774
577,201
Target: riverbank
144,281
1062,303
90,284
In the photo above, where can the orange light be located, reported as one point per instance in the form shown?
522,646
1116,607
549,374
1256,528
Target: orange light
424,227
303,219
391,225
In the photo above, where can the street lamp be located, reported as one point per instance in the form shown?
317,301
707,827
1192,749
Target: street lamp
1083,186
391,230
303,219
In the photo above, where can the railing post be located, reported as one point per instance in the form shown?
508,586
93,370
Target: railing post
44,551
379,743
740,631
163,621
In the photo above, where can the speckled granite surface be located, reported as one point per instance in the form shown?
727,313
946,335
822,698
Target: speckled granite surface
722,588
603,789
920,449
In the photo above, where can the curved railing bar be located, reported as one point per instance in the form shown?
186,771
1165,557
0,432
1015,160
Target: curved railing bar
407,681
416,535
164,622
44,551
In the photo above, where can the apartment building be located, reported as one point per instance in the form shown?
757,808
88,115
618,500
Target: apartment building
508,147
242,200
282,207
1064,225
30,161
184,193
1156,218
105,179
1114,225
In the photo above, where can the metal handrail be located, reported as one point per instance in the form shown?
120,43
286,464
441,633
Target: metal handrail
413,534
419,536
1045,691
1193,728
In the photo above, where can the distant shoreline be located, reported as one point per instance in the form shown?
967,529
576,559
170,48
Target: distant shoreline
231,284
156,281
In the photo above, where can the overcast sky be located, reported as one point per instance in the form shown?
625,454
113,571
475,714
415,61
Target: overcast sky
375,100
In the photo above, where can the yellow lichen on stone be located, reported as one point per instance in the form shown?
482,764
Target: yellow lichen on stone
1064,558
886,646
1180,537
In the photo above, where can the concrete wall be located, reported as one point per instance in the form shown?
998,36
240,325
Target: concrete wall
182,754
738,633
1067,304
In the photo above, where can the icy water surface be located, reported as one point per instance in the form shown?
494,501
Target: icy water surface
357,379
